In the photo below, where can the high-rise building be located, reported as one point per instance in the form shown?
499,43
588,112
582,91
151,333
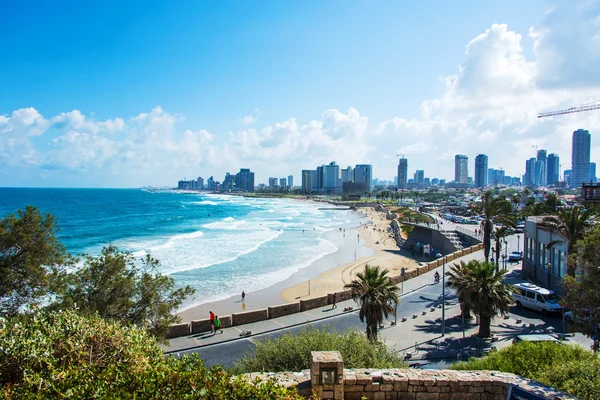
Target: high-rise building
347,175
461,168
364,173
402,173
481,167
282,182
593,172
200,184
331,177
442,182
228,181
568,175
552,169
244,180
307,185
539,172
541,176
580,157
320,177
419,176
529,177
272,182
290,181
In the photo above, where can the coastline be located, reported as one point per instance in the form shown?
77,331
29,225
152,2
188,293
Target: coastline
368,243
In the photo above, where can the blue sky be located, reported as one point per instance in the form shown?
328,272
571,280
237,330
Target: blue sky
280,86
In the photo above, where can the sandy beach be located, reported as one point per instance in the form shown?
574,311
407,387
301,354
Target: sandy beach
369,243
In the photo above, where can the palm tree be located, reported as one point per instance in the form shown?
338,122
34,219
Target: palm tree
515,199
376,294
492,208
486,294
458,279
499,234
571,225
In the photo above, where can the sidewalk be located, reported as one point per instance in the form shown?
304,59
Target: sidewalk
317,314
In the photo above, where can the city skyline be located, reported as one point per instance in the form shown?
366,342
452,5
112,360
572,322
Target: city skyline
117,104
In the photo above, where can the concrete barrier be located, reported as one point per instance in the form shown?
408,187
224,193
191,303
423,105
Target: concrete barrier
317,302
249,316
203,325
178,330
342,296
283,309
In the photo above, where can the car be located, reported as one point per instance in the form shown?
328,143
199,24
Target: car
520,229
515,256
536,338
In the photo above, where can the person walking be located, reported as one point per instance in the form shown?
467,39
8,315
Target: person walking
333,301
211,315
218,324
243,296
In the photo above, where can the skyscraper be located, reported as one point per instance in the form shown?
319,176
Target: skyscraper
481,168
419,176
580,157
282,182
539,172
307,183
552,169
331,177
541,175
528,178
461,168
402,173
364,173
272,182
568,175
593,172
290,181
244,180
347,175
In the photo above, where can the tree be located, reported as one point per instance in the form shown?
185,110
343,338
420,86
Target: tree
491,208
116,287
32,260
515,199
552,202
499,235
582,295
486,294
534,208
571,225
459,279
376,294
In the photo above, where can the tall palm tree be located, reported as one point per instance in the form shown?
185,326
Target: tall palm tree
515,199
486,294
458,279
571,225
376,294
499,235
491,208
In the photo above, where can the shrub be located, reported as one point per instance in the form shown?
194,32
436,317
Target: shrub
63,354
291,352
565,367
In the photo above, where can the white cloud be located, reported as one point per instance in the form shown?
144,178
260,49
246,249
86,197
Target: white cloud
488,105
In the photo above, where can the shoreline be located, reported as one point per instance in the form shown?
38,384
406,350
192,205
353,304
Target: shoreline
367,243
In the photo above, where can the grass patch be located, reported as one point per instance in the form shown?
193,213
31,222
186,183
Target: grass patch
292,352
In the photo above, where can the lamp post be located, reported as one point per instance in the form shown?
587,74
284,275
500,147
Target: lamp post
519,243
504,261
548,266
505,253
493,251
438,255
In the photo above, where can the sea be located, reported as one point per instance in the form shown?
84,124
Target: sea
220,245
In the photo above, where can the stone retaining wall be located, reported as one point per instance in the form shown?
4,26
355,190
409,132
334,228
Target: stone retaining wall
415,384
283,309
249,317
203,325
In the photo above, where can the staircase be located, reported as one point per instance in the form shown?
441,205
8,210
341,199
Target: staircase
455,239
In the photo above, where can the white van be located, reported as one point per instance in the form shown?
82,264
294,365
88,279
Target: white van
535,297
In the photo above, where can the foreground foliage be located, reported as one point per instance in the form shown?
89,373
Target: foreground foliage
34,272
565,367
66,355
376,294
292,352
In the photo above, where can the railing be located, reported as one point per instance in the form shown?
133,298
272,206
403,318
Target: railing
467,232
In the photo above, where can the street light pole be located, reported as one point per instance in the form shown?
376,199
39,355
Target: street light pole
519,243
438,255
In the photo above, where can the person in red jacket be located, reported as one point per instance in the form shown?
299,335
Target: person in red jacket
212,321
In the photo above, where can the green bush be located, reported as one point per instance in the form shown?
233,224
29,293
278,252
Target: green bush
291,352
565,367
66,355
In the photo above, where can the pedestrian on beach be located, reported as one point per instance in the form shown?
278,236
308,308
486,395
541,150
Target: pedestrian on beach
211,315
333,301
243,296
218,324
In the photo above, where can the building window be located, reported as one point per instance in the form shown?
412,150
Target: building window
540,254
555,262
563,263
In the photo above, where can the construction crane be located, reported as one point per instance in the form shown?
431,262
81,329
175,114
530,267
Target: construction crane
594,105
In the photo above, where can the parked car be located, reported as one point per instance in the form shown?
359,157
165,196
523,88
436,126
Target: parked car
520,229
536,338
515,256
536,298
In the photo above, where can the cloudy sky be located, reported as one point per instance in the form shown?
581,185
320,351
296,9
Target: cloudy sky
111,95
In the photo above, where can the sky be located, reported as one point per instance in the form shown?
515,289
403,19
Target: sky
145,93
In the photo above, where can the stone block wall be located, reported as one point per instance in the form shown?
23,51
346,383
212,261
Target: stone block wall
283,309
203,325
249,316
178,330
316,302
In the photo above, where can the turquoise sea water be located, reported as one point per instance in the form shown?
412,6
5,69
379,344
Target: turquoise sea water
218,244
